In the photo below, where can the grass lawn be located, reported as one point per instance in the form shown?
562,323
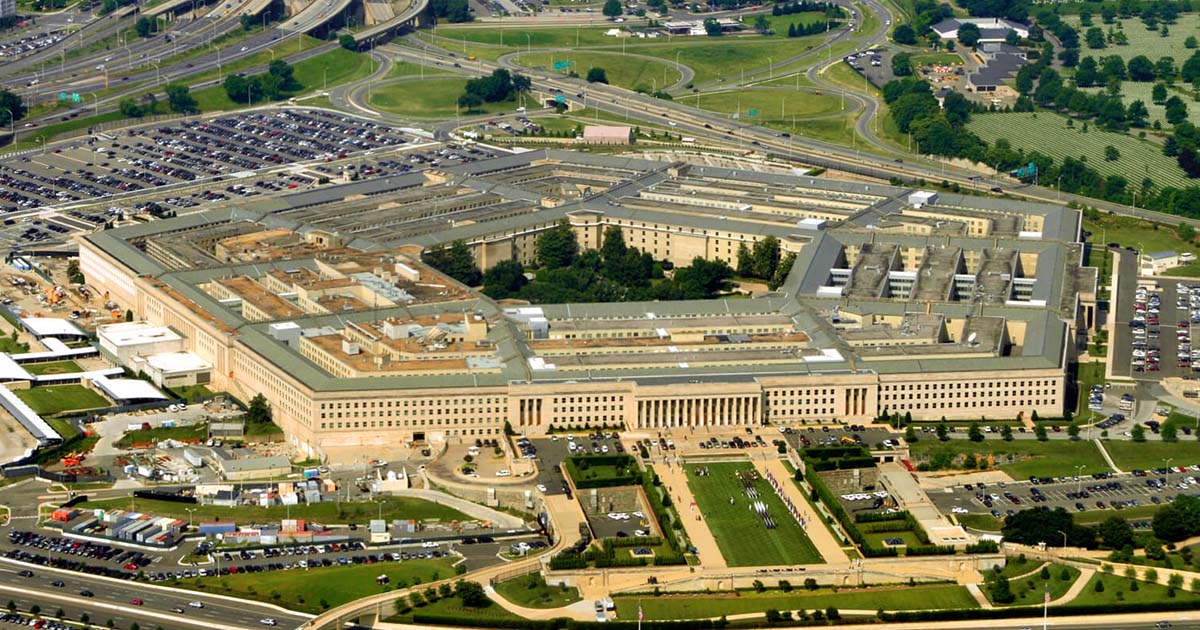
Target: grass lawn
431,98
939,59
262,429
531,591
1049,133
63,427
779,23
192,393
452,607
1128,455
728,56
984,522
772,106
1129,231
1019,458
717,604
407,69
738,530
592,471
876,538
620,70
325,513
48,401
331,68
1092,517
1143,41
1030,590
318,589
1089,374
142,436
53,367
12,346
1116,589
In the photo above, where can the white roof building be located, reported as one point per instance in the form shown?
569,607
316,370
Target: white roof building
52,327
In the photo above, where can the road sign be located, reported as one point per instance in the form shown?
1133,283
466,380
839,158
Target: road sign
562,65
75,98
559,98
752,113
62,96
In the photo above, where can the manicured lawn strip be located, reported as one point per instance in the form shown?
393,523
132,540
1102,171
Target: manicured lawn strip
50,400
1147,593
729,56
1089,374
53,367
942,59
318,589
1020,458
1093,517
1130,455
738,530
984,522
531,591
324,513
191,432
699,606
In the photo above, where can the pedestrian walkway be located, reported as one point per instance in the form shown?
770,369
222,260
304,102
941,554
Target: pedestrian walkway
1104,453
820,535
674,479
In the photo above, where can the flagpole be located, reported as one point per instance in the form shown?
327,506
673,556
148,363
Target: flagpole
639,614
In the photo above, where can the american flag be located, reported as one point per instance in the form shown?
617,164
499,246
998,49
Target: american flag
640,615
1047,593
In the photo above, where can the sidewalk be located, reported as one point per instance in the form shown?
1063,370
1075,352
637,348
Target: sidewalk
674,479
1104,453
820,535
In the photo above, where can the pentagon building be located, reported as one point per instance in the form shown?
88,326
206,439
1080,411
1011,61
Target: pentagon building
899,299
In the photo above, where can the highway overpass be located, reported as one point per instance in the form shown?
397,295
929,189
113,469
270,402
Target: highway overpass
380,33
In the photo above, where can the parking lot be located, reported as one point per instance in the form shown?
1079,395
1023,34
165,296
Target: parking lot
838,435
552,451
1101,491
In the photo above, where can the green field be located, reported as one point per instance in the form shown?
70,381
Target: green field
53,367
1049,134
1116,589
983,522
1093,517
769,105
1142,41
141,436
326,513
331,68
47,401
431,98
1129,455
1019,458
1031,590
941,59
620,70
1132,232
699,606
738,530
531,591
779,23
318,589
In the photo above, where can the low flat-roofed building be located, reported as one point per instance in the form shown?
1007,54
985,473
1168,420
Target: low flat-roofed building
122,341
1156,263
607,134
55,327
174,369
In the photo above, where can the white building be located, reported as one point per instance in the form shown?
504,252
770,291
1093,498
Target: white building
122,341
1156,263
991,30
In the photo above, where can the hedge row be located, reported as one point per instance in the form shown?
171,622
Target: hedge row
834,452
984,546
930,550
874,517
635,541
843,463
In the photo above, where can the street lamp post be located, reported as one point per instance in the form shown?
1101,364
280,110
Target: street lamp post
1064,535
1079,478
770,68
190,512
12,123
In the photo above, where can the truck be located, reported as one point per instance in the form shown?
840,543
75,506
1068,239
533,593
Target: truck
311,473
